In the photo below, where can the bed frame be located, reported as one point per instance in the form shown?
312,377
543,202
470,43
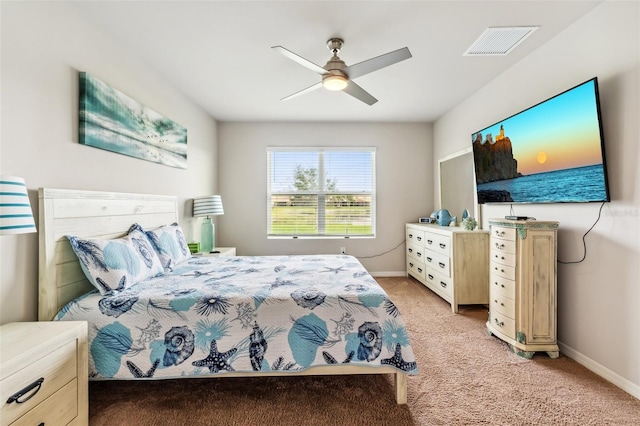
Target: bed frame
92,214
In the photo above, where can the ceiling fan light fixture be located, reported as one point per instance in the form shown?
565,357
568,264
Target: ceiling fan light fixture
334,82
337,76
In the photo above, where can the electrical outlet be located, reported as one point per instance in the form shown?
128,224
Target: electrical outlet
343,250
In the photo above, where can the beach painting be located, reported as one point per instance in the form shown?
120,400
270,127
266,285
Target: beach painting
113,121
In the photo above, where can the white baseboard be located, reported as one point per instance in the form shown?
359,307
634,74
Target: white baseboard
389,273
624,384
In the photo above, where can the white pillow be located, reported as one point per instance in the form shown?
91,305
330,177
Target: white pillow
170,245
113,265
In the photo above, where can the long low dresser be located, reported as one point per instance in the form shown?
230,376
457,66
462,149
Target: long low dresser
450,261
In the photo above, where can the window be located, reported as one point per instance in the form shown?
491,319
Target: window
321,192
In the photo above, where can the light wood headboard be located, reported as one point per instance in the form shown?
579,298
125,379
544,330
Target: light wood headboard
87,214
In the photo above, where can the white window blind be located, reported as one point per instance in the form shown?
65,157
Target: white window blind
321,192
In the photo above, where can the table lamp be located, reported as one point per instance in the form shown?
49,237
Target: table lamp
16,216
207,206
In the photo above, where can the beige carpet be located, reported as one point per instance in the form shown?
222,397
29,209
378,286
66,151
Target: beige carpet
466,378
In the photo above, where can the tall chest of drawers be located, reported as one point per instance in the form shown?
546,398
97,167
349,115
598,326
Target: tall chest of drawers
450,261
522,309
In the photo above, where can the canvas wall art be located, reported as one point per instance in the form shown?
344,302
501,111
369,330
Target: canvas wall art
113,121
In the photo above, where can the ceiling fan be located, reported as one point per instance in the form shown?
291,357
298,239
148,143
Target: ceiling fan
336,75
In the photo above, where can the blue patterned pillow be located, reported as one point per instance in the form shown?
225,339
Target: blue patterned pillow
114,265
170,245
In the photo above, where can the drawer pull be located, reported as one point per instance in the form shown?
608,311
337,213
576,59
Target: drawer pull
418,254
429,242
442,245
419,269
501,285
501,304
498,323
410,250
429,259
443,284
430,276
419,238
499,257
499,246
410,235
410,265
500,233
501,270
440,264
16,396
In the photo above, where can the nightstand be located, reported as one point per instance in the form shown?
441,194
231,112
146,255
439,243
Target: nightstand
224,252
44,373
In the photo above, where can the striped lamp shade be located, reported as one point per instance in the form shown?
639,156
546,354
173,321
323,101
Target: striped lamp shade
207,206
15,210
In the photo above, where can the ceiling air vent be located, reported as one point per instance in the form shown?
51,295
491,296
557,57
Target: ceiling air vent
496,41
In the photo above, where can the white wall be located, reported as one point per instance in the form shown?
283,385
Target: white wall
44,45
598,299
404,170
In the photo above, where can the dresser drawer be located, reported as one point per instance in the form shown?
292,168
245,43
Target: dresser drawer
503,233
503,324
57,368
415,251
59,409
416,268
438,243
503,258
415,236
503,246
504,271
438,262
503,305
440,283
502,286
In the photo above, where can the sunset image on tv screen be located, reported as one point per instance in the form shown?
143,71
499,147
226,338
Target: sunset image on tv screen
551,152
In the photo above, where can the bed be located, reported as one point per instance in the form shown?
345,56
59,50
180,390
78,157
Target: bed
214,316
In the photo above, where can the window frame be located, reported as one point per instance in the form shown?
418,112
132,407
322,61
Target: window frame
321,195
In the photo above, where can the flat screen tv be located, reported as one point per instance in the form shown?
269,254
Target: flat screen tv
552,152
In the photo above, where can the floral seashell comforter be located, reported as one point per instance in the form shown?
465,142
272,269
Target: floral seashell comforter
211,315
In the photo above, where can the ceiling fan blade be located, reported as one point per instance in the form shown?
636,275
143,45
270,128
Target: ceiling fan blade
299,59
374,64
359,93
303,91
